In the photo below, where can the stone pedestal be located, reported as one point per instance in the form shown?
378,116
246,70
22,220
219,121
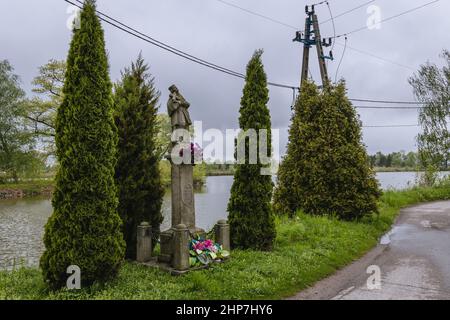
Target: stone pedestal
166,247
183,211
181,238
222,232
144,242
183,204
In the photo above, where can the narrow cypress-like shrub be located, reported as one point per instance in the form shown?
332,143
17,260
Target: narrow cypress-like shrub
137,173
249,209
326,169
85,228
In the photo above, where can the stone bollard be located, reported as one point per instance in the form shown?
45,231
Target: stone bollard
223,234
181,237
144,242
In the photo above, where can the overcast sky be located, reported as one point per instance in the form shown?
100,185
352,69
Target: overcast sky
32,32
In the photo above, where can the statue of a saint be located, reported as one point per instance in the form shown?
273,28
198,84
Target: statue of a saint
177,108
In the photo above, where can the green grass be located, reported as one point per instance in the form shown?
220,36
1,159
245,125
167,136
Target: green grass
29,187
307,249
35,186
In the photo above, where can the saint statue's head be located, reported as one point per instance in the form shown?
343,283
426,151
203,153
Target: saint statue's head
173,88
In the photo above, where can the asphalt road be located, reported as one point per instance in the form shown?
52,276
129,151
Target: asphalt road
413,261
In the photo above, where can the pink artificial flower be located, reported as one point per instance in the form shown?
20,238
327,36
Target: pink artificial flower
208,243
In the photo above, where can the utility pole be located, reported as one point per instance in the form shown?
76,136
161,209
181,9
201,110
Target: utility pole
312,27
320,54
307,43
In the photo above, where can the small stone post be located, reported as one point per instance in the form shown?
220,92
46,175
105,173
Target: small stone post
180,261
144,242
223,234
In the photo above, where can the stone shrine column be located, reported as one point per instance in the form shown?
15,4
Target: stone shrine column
183,204
182,184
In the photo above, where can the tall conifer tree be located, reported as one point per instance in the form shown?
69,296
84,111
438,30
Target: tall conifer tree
250,214
85,228
137,172
326,169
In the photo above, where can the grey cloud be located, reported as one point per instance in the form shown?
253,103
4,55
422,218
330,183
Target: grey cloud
32,32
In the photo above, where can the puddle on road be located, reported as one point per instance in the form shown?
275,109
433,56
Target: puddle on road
399,232
425,223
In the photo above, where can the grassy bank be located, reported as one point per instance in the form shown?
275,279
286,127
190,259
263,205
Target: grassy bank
32,187
307,249
199,174
35,187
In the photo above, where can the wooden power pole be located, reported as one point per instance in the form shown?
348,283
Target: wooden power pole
312,27
306,46
320,54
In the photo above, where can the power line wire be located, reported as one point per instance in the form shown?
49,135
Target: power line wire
164,46
258,14
348,11
387,19
287,24
339,15
389,108
332,20
203,62
340,61
393,126
386,101
376,57
319,3
123,27
155,40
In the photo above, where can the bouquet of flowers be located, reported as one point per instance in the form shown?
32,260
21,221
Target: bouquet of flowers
205,251
195,151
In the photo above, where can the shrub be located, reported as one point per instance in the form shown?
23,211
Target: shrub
137,171
250,214
326,169
84,229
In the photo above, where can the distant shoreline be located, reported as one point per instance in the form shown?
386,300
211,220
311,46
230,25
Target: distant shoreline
26,189
393,169
219,174
377,169
45,187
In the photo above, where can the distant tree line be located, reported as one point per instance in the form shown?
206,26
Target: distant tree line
19,157
27,124
395,159
402,159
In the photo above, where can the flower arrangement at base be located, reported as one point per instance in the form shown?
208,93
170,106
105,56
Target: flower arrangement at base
205,251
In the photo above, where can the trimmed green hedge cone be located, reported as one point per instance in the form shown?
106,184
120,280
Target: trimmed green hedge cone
326,169
85,228
137,172
250,214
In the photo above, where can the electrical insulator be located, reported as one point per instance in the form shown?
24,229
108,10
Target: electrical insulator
298,36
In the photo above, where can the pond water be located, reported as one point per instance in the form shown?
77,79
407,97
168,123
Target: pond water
22,221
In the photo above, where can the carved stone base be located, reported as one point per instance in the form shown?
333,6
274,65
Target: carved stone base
183,204
167,245
144,247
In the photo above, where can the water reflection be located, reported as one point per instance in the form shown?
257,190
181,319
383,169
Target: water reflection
21,228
